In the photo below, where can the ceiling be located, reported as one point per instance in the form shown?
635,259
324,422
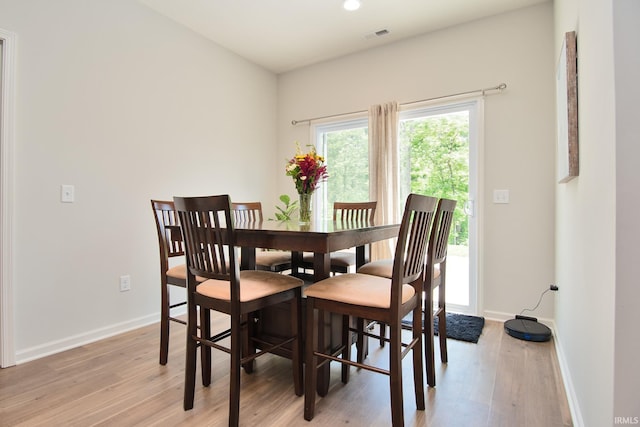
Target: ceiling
282,35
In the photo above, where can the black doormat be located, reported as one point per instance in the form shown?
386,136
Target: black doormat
459,326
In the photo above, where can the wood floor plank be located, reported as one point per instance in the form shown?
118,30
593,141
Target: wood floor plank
500,381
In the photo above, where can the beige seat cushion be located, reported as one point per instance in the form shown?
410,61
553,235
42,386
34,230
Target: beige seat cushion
380,268
343,259
180,272
340,258
272,258
254,284
358,289
384,268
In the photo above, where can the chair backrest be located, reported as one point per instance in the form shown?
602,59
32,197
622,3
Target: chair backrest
169,234
354,212
439,239
413,240
247,211
209,235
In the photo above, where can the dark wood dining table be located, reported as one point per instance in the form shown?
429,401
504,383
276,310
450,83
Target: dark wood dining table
319,237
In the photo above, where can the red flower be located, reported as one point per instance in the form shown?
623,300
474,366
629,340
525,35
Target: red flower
307,170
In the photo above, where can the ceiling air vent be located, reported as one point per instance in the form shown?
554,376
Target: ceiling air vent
378,33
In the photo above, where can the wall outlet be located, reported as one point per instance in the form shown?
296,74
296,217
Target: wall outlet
125,283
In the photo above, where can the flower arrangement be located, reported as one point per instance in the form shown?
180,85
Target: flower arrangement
307,170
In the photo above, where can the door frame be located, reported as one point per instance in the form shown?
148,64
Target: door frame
475,106
7,124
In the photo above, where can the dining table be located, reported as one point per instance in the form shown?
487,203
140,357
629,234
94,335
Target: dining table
320,237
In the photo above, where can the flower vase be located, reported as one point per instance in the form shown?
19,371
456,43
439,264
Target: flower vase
305,208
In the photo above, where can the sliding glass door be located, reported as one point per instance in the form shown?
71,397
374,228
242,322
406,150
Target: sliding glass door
438,157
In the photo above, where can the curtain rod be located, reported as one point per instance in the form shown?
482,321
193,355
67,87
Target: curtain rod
500,87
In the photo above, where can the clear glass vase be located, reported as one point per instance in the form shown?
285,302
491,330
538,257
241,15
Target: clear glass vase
305,208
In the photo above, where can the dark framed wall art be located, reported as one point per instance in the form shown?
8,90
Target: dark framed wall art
567,110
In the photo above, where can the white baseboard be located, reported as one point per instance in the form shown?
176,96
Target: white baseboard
497,316
68,343
574,408
502,317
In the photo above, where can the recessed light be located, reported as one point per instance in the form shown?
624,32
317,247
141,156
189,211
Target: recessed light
351,4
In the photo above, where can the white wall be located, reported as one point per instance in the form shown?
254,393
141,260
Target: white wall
596,242
515,48
127,106
626,34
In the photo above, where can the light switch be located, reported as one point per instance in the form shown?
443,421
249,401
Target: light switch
500,196
67,193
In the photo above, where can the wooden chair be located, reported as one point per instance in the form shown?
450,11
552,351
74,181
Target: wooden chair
341,261
435,277
208,230
269,260
435,274
380,299
171,246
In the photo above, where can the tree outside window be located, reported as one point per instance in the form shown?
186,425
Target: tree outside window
434,158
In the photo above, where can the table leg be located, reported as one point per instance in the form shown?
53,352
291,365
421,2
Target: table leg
321,266
362,255
296,263
247,258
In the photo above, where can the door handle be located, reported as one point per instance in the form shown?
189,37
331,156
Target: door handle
469,208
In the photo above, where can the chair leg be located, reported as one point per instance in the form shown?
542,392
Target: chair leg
296,346
428,338
383,333
361,324
234,374
346,349
164,325
205,350
442,322
190,360
322,345
395,377
311,360
418,373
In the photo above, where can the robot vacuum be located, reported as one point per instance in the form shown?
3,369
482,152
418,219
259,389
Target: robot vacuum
527,328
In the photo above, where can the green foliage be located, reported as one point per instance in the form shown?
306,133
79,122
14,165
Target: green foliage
434,154
348,160
436,149
284,213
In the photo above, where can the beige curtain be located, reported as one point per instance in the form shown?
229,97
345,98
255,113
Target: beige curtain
383,170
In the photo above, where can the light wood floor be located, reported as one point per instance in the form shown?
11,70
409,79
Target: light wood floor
500,381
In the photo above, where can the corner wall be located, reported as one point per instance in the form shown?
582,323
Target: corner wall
596,220
626,33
